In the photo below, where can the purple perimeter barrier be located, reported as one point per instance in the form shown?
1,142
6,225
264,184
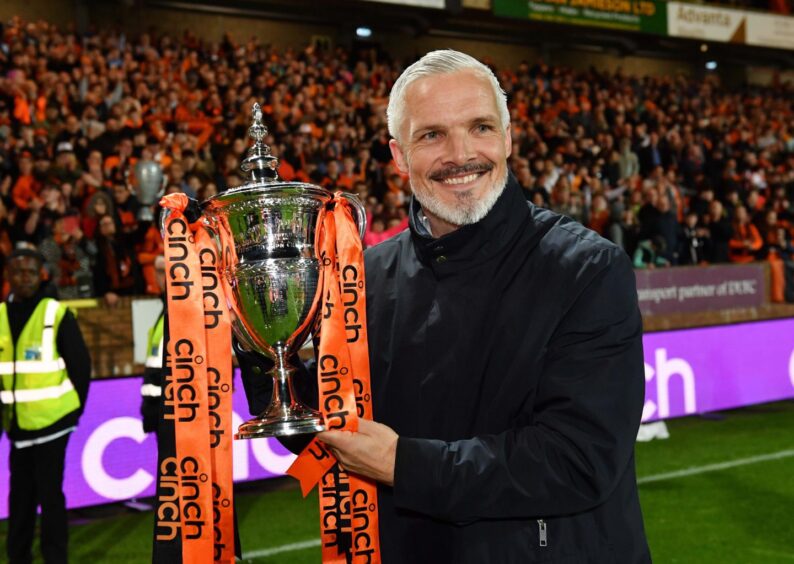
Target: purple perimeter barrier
713,368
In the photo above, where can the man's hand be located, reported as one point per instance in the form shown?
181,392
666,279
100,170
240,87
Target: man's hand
370,452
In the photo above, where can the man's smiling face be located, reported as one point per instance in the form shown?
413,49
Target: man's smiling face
453,147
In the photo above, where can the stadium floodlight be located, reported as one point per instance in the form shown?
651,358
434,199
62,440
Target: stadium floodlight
711,65
363,32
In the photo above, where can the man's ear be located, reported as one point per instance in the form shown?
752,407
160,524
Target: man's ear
398,156
508,141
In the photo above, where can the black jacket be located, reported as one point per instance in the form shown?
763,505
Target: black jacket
508,357
721,234
152,376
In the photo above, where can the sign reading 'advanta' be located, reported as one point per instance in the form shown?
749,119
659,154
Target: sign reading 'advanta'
676,19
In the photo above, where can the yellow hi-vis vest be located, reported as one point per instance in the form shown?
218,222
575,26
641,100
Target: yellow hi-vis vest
154,360
33,374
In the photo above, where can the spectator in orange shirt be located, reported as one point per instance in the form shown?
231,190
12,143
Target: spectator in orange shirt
755,206
148,250
599,215
746,241
153,151
126,207
775,234
349,176
778,252
119,166
93,178
26,188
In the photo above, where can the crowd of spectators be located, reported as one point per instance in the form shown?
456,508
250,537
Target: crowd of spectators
676,170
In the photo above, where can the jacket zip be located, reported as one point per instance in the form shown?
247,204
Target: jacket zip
542,534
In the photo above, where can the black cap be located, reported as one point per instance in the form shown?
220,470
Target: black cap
26,252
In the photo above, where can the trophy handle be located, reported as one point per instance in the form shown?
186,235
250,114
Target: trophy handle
208,223
165,213
360,212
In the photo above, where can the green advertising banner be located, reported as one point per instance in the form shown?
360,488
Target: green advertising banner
649,16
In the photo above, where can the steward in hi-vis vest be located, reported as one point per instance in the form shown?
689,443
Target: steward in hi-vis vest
44,375
36,386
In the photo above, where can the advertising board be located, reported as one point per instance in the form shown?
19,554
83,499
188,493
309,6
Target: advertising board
110,459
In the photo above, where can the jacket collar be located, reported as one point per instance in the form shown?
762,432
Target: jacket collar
474,244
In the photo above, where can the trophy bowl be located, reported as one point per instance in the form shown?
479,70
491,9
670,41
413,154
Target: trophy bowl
266,231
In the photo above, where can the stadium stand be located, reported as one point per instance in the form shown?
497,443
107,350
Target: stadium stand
676,170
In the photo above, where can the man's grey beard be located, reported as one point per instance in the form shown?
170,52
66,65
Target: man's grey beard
466,210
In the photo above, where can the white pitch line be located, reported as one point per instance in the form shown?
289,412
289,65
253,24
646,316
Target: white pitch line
775,553
715,467
279,549
693,471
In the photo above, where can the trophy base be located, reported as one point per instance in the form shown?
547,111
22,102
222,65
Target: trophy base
297,424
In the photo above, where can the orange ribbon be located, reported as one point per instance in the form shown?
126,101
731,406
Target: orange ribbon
348,503
198,388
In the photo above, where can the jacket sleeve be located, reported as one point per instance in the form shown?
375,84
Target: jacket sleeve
579,440
150,413
150,401
258,386
101,279
75,355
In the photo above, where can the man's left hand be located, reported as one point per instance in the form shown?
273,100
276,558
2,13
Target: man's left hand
370,452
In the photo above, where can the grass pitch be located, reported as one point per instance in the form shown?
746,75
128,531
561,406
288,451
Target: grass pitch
742,514
720,490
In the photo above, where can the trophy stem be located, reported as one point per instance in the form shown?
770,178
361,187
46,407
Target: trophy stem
283,392
285,415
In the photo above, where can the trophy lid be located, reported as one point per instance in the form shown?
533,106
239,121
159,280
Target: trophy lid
263,189
259,164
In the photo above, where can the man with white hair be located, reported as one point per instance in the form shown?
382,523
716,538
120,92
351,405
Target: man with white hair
505,352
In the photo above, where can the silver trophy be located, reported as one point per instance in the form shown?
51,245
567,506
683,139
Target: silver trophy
272,268
149,187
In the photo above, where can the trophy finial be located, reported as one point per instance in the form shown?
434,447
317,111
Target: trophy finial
259,163
257,131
